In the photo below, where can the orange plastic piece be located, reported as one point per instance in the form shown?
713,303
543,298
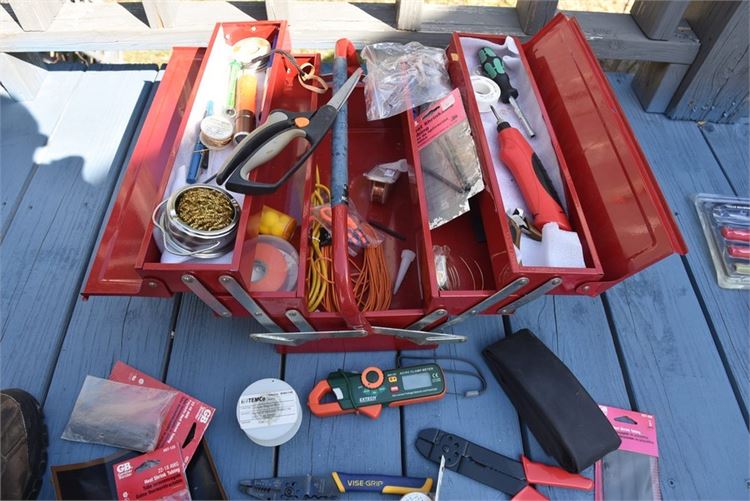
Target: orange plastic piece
367,383
537,473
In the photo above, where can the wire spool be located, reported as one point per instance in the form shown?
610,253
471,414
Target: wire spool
216,132
198,220
247,49
269,412
275,266
486,92
247,88
416,496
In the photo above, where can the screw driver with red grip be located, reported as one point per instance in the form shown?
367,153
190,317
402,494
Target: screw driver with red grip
529,173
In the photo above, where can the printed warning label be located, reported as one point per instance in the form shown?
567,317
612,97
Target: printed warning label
259,410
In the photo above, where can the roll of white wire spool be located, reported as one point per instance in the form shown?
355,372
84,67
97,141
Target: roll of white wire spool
269,412
486,92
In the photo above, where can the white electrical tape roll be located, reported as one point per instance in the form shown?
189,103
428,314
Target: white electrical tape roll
486,92
416,496
269,412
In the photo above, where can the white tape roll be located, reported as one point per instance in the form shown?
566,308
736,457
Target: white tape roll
269,412
486,92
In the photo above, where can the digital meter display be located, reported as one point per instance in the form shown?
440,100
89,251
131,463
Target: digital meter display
416,381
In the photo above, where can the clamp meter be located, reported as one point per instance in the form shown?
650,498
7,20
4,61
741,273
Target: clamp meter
372,389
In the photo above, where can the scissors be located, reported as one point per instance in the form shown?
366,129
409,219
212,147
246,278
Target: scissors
280,129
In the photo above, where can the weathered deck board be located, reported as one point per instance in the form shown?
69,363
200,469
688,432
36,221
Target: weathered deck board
488,420
676,374
24,129
351,443
729,145
214,359
686,168
45,250
577,331
102,331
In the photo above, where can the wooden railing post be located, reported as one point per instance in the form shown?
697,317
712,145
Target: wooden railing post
658,19
409,14
22,74
716,85
35,15
278,9
655,83
533,14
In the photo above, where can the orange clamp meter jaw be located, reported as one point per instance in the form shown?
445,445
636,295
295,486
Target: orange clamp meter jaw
372,389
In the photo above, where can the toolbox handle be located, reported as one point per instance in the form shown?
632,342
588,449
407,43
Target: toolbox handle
348,307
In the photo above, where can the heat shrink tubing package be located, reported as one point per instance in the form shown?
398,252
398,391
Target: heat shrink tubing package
118,414
558,246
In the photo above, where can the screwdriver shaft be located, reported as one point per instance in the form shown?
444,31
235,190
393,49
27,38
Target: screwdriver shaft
522,118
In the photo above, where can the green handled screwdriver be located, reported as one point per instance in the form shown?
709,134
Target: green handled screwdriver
493,66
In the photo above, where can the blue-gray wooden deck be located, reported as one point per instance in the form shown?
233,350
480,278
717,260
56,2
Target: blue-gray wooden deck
667,341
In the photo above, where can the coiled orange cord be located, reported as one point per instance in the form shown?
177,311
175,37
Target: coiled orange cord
371,280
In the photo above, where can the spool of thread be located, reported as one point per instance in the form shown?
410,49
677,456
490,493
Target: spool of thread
269,412
486,92
247,88
275,266
216,132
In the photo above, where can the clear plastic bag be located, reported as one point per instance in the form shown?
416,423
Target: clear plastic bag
118,414
400,77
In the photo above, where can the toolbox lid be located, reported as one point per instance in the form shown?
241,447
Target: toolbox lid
631,224
113,270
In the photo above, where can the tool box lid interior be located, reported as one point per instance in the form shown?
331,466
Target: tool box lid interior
630,221
113,270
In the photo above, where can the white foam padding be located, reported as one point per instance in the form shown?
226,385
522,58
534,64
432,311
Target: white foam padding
532,253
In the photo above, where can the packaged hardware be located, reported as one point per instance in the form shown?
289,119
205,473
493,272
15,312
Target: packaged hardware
632,471
157,475
401,77
117,414
726,225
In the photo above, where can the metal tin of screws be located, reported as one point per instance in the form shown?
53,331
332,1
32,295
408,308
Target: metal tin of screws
185,240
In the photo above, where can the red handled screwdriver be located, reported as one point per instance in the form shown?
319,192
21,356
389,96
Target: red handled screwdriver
530,175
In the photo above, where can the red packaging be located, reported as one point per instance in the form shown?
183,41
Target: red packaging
156,475
187,417
632,471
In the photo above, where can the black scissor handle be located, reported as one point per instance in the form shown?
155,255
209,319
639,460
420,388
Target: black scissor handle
266,145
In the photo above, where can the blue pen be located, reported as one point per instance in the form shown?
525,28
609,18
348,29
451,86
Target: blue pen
198,151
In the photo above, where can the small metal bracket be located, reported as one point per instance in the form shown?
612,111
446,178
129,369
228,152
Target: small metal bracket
299,320
539,291
487,303
298,338
242,297
420,337
428,319
205,295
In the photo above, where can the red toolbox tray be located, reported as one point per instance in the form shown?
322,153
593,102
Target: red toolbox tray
615,203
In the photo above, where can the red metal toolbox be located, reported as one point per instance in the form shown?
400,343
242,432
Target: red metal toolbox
615,204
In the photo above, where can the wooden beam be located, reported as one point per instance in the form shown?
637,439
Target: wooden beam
35,15
655,84
409,14
715,88
278,9
108,26
533,14
22,74
658,19
153,10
